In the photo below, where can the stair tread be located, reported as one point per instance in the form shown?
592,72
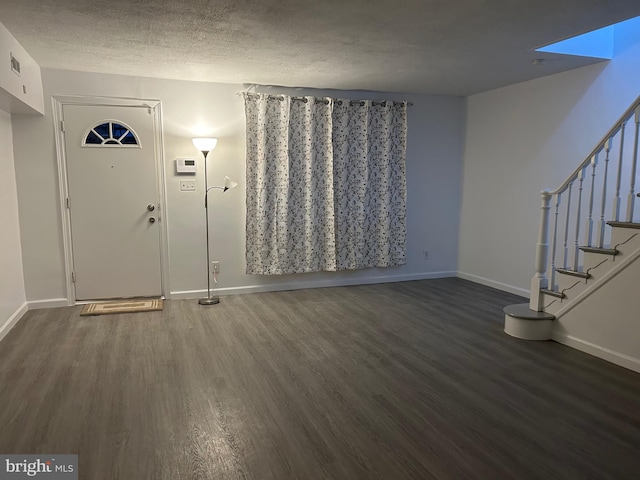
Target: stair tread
522,311
553,293
606,251
624,224
573,273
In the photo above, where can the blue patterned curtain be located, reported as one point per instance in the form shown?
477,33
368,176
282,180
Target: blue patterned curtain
326,186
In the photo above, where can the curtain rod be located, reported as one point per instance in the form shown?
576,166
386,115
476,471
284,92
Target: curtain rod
325,101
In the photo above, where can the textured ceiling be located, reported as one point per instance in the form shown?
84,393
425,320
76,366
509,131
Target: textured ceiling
456,47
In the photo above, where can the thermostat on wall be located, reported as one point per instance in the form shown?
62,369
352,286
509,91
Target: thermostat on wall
185,165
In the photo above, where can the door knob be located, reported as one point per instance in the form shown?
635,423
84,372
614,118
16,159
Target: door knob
151,207
152,219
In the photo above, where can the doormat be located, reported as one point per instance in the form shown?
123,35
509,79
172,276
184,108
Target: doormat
123,306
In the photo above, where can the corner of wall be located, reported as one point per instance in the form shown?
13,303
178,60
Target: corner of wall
12,288
13,320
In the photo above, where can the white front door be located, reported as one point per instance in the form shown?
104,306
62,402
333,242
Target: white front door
113,201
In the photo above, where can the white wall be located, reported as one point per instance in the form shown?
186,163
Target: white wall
606,324
434,169
12,291
524,138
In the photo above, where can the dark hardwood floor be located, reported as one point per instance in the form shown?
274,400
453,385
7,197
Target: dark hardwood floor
412,380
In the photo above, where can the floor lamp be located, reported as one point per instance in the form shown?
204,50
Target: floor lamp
205,145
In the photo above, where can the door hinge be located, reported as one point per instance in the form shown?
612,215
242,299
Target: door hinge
68,203
62,125
73,277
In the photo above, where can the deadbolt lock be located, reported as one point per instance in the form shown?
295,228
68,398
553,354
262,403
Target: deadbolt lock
151,207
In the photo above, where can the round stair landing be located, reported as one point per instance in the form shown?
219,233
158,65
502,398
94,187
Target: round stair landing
522,322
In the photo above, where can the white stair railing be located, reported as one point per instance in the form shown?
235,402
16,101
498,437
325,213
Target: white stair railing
569,219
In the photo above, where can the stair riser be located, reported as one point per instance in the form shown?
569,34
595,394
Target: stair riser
591,260
566,281
552,304
553,307
621,235
528,329
596,265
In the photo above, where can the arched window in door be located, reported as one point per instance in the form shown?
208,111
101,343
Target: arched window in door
110,133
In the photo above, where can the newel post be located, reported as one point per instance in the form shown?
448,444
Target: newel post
539,280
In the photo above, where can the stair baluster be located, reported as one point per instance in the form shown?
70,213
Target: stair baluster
554,241
576,253
634,168
616,201
566,228
602,224
589,232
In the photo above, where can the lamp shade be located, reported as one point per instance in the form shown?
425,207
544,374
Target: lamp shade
204,144
229,184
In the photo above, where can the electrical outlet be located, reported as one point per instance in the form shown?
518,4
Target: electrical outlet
215,266
187,185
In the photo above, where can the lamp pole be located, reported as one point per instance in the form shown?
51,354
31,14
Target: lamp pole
205,145
209,300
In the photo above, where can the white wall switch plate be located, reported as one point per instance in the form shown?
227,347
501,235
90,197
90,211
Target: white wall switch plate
187,185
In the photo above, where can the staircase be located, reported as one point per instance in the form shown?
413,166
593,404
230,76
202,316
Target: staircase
588,255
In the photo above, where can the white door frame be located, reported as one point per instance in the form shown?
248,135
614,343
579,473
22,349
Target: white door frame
155,109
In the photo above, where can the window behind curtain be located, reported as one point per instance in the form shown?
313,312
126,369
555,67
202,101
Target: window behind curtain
326,187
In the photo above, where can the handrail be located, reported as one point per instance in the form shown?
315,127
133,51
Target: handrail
599,146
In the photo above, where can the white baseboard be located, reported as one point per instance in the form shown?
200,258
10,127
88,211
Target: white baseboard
48,303
277,287
13,320
597,351
493,284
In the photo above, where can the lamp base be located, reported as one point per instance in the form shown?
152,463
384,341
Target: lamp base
209,301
